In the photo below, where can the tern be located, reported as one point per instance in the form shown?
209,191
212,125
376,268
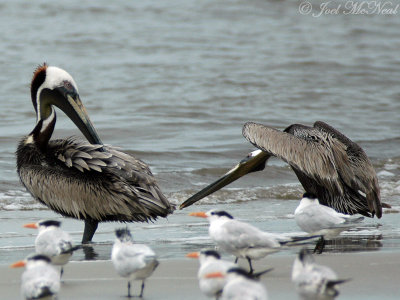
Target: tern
242,239
40,279
210,262
53,242
134,261
318,219
81,179
240,285
326,162
314,281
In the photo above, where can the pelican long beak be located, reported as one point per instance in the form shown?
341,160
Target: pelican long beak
193,255
31,225
18,264
200,214
253,162
70,103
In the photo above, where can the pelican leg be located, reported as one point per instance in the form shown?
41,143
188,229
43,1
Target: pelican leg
90,229
319,247
251,267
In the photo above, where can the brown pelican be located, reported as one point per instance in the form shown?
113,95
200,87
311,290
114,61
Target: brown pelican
327,164
79,179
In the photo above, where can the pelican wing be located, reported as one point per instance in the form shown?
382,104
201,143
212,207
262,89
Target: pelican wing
308,150
81,180
362,175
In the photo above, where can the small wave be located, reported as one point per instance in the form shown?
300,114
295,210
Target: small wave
18,200
290,191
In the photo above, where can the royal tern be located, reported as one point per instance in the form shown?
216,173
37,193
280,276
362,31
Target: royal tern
210,262
40,279
318,219
240,285
53,242
134,261
314,281
326,162
242,239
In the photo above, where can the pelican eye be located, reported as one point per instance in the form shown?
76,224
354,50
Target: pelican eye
68,85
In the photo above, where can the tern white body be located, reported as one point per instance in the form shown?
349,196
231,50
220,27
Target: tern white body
314,281
239,287
53,242
241,239
133,261
40,280
314,218
212,287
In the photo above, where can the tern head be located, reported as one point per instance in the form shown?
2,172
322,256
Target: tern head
210,253
310,196
239,272
123,235
204,254
305,257
212,214
42,224
32,259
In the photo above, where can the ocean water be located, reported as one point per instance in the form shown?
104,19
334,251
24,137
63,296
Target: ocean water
173,83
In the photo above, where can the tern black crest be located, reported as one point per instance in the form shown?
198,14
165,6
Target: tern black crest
48,223
309,195
122,233
211,253
37,257
221,213
241,272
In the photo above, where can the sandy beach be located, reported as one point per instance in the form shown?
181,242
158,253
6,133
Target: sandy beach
374,275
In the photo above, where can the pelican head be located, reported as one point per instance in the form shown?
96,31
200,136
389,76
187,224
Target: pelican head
54,86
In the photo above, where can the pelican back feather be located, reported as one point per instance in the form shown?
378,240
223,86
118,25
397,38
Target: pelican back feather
85,181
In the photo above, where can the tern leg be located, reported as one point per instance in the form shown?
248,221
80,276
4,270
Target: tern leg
90,229
236,260
142,289
251,267
61,272
319,247
129,289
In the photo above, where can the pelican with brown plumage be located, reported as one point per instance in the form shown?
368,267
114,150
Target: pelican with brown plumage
326,162
81,179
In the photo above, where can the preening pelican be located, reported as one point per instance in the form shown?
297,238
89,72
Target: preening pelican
326,162
79,179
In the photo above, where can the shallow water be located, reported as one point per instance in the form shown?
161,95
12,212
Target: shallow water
174,82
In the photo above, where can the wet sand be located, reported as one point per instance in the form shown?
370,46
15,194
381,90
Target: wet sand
374,275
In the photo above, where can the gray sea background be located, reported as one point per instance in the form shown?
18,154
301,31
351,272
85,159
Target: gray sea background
173,82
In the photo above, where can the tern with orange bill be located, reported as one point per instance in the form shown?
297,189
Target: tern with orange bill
40,280
210,262
53,242
242,239
240,285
